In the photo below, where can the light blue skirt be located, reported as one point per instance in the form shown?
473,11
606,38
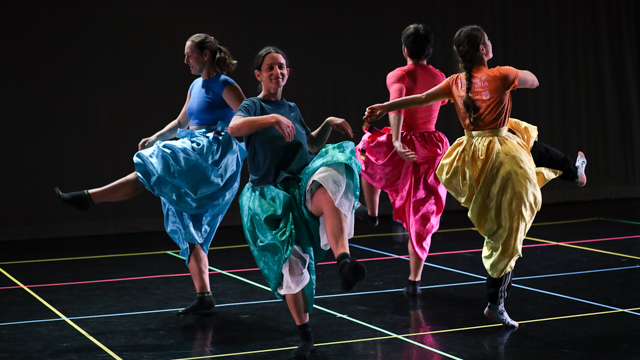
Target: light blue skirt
196,178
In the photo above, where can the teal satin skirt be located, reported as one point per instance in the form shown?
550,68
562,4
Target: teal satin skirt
275,218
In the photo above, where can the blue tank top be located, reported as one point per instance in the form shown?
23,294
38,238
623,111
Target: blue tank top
207,106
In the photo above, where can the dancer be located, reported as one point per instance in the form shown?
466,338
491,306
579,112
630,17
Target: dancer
402,159
489,170
296,205
197,176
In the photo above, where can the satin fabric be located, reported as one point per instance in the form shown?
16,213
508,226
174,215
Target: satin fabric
275,218
196,178
529,134
492,173
416,194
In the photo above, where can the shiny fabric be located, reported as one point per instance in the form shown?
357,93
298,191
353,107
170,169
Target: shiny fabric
196,178
417,196
529,134
492,173
275,218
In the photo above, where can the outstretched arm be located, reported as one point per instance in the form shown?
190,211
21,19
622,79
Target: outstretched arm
169,131
375,112
317,139
526,80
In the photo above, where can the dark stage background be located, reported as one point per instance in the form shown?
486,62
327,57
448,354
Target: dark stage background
83,82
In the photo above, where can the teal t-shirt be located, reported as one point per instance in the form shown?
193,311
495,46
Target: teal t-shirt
272,159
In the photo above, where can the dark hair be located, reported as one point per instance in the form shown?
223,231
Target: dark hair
418,40
219,58
259,60
466,44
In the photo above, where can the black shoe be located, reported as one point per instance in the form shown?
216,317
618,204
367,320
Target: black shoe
351,273
204,304
363,215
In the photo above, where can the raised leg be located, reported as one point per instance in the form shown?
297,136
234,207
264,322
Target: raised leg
121,189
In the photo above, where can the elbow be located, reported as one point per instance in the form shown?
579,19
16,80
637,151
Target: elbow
233,129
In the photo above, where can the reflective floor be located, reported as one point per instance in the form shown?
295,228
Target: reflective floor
576,295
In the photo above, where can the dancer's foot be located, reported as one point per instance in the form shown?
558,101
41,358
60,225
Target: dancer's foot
581,163
498,314
80,200
412,288
306,342
351,271
362,214
204,304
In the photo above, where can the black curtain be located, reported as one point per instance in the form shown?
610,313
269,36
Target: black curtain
83,82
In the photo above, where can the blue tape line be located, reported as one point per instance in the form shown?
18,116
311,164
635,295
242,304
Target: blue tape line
520,286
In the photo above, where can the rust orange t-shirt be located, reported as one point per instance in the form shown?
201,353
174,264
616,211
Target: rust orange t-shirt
490,91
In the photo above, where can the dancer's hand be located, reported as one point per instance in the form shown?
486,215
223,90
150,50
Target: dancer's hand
285,126
340,125
374,112
147,142
404,152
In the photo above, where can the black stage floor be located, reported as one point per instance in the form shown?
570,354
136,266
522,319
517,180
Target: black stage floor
576,295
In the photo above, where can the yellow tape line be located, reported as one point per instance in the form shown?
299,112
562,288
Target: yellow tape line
582,248
413,334
239,246
62,316
113,255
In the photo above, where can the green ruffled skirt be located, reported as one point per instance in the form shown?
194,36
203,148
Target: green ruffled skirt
275,218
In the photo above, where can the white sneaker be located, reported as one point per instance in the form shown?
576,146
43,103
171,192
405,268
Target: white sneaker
499,315
581,163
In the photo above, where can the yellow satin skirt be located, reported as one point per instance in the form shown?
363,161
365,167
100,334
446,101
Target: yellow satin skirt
492,174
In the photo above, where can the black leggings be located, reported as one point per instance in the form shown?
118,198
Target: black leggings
546,156
498,289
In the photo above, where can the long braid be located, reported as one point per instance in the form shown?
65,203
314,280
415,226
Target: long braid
466,44
469,105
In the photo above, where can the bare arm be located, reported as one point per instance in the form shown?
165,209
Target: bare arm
169,131
375,112
241,126
317,139
396,120
233,96
527,80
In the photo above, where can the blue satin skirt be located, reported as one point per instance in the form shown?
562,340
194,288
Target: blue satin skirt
275,218
196,178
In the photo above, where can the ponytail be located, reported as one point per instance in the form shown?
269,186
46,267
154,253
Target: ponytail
223,61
